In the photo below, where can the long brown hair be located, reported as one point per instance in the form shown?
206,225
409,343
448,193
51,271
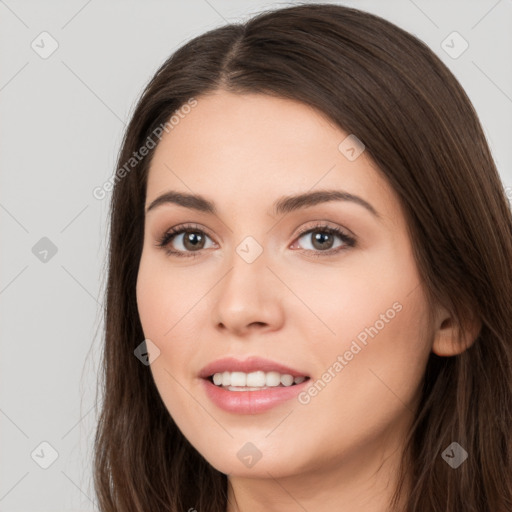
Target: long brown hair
374,80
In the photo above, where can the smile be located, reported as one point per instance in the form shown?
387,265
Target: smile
254,381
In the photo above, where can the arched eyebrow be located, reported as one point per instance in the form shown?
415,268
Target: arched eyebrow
283,205
288,204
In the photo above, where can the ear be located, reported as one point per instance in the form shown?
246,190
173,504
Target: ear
451,339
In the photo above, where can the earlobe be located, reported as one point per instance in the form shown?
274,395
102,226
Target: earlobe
450,339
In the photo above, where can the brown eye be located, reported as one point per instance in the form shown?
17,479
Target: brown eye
184,240
323,239
193,240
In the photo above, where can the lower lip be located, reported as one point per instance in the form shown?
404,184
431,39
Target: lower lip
251,402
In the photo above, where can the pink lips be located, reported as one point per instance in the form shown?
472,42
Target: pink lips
249,402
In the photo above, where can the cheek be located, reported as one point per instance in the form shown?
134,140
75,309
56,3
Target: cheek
371,297
163,298
151,300
168,305
160,309
364,389
374,370
379,342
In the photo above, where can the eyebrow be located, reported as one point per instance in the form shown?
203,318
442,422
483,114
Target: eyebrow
283,205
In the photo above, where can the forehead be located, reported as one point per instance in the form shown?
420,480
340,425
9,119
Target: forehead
240,147
263,126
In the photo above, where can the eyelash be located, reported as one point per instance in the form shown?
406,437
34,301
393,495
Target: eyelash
168,236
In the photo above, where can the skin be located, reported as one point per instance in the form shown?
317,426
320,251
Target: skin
339,451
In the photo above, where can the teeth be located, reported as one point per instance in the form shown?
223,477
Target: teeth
273,379
286,380
256,379
240,381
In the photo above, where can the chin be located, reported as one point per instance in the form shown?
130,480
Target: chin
248,461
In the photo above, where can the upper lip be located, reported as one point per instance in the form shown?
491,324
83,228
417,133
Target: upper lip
248,365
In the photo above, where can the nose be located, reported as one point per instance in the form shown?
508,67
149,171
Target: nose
248,299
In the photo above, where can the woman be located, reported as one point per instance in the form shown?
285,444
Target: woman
310,258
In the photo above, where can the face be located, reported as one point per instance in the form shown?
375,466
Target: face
310,313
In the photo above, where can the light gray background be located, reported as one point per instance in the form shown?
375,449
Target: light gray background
62,120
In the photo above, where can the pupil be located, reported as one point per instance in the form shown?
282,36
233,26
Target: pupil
321,238
193,238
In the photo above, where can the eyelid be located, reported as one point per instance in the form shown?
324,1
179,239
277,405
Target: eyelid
318,224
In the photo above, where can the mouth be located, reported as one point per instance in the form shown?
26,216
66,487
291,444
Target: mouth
254,381
251,386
